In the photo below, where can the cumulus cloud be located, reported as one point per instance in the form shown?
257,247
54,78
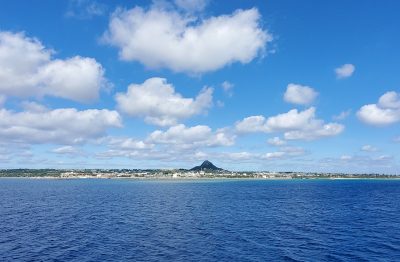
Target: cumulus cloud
195,136
157,102
295,125
345,71
183,143
251,124
257,157
368,148
33,106
28,69
124,143
343,115
298,94
390,100
276,141
127,147
188,43
293,119
238,156
319,131
374,115
176,143
59,126
385,112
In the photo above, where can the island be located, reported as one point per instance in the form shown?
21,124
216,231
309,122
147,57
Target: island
206,170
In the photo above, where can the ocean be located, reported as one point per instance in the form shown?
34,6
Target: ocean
199,220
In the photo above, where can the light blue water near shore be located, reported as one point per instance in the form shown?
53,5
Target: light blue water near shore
127,220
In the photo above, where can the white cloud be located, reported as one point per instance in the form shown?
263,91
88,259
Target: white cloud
360,164
368,148
343,115
2,100
284,153
176,143
126,147
293,151
345,71
238,156
390,100
59,126
227,87
367,161
170,147
383,158
274,155
276,141
188,137
295,125
191,5
16,151
159,104
293,120
200,155
386,112
320,131
29,70
374,115
298,94
5,156
220,103
188,43
127,143
85,9
76,78
67,150
346,157
33,107
251,124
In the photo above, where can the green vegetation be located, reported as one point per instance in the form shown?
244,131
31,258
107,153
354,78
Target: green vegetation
177,173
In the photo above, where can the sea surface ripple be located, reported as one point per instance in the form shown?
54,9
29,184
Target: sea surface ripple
130,220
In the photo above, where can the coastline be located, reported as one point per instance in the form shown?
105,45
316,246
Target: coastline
198,178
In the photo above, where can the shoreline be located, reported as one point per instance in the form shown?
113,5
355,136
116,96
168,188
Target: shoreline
198,178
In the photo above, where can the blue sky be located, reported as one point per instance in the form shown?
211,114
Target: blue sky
248,85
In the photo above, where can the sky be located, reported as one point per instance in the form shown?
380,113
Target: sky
274,85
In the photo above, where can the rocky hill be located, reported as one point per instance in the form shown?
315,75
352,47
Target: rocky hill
206,166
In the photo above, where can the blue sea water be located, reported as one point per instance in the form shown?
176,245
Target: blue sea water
129,220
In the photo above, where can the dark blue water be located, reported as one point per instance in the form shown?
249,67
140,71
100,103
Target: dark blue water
122,220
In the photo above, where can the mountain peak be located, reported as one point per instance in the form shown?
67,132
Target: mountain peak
206,165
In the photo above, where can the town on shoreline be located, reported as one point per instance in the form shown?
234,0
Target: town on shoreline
206,170
177,174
